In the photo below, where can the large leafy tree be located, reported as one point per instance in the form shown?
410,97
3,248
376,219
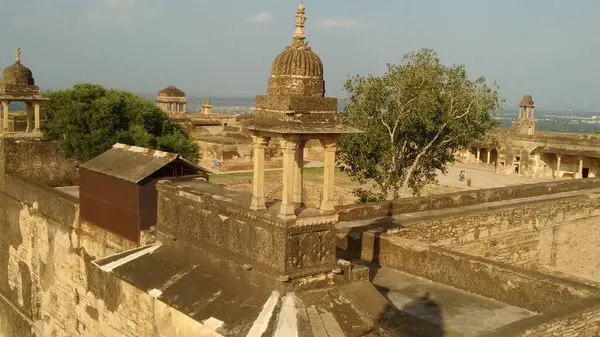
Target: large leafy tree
414,118
88,119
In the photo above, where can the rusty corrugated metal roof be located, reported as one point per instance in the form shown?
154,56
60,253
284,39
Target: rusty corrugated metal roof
132,163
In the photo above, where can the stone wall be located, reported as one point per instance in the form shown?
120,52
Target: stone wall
560,234
40,161
218,220
579,320
464,198
50,287
526,289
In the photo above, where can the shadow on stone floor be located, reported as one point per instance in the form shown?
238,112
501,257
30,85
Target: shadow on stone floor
353,246
420,318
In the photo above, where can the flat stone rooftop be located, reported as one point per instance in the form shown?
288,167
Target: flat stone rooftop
449,308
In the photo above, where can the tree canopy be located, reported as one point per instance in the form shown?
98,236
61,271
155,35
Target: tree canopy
414,118
88,119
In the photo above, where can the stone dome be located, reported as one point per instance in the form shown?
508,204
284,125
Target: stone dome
297,61
297,71
171,91
17,73
526,101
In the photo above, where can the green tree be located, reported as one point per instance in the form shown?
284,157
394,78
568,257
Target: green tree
88,119
414,118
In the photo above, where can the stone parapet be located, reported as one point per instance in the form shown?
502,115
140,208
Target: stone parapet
460,199
212,218
519,287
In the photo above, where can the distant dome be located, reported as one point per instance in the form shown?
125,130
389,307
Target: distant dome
171,91
526,101
297,71
17,73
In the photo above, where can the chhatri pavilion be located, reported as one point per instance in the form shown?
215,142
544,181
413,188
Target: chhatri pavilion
17,85
294,111
172,101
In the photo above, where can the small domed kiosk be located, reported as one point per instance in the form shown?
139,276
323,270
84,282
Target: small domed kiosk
172,101
525,124
18,85
526,107
294,111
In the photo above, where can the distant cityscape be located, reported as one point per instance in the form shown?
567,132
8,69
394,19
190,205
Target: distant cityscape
572,121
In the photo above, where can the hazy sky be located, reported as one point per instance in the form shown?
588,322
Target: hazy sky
549,48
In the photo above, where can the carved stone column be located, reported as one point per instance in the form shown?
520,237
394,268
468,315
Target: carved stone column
5,116
580,170
258,181
36,109
29,109
520,112
330,146
288,148
558,157
478,155
299,173
489,154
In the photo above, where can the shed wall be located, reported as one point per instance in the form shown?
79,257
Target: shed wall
110,203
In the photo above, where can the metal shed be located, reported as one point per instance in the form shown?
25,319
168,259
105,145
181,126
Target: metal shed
117,189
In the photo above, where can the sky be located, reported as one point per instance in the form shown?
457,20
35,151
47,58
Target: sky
547,48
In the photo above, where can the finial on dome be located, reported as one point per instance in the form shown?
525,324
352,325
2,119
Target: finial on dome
300,19
18,56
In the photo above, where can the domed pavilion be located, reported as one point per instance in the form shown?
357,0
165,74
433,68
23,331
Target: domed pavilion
294,111
525,124
526,107
172,101
17,85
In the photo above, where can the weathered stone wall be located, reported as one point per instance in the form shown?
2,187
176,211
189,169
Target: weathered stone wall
215,218
464,198
561,234
526,289
574,249
49,285
40,161
579,320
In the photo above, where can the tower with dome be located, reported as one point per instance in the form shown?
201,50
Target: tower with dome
294,111
18,85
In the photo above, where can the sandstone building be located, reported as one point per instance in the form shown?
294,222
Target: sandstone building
495,262
524,151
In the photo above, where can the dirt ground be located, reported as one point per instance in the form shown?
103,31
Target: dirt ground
482,176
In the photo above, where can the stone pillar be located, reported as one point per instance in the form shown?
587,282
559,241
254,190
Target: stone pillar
520,112
36,109
580,171
2,160
558,157
330,146
29,110
299,174
258,181
489,154
497,162
478,155
5,116
288,148
184,107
